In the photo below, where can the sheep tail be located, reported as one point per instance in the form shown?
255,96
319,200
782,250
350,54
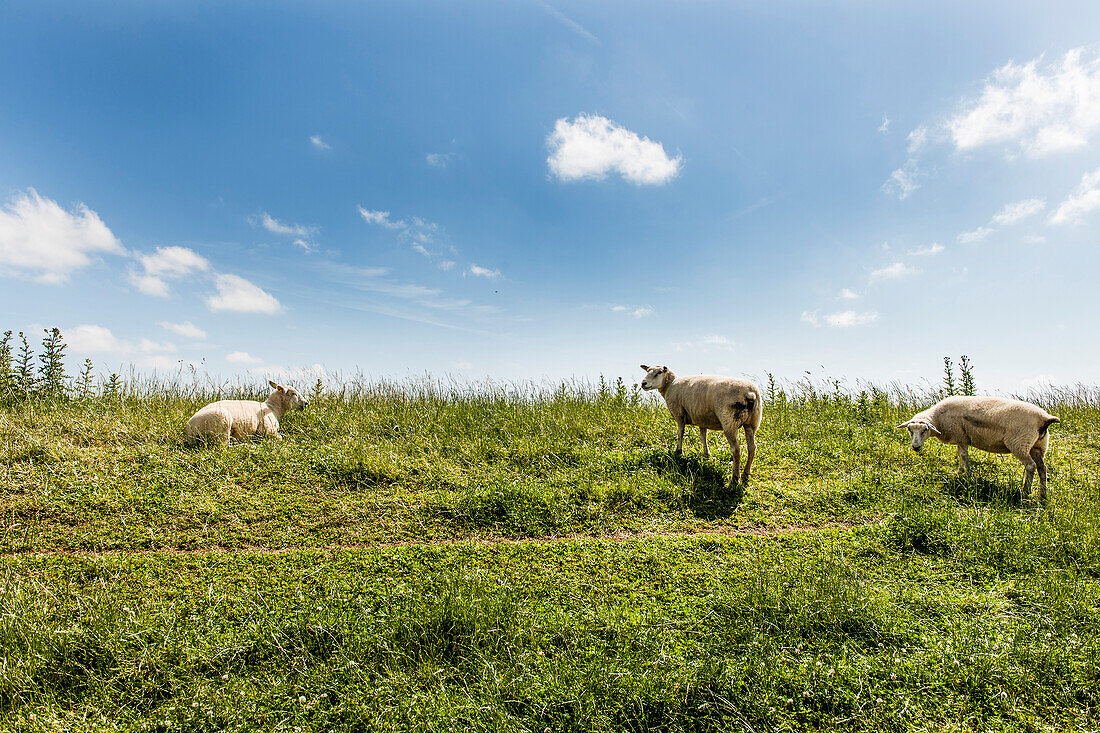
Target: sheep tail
750,402
1047,423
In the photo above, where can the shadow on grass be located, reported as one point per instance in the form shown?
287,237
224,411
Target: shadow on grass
708,494
973,488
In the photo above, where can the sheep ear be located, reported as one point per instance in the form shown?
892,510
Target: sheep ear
903,425
643,366
272,384
937,432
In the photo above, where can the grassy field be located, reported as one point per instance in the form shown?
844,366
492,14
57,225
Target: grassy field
419,556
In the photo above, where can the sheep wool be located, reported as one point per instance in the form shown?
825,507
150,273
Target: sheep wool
227,420
992,424
711,402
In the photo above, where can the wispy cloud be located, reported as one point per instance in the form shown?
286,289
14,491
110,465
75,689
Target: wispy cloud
186,329
895,271
235,294
568,22
591,146
167,263
439,160
975,235
848,294
840,319
903,181
41,241
1085,198
1008,215
303,234
637,311
317,142
381,218
933,249
275,226
478,271
885,124
1018,211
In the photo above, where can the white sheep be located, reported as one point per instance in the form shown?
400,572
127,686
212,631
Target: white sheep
992,424
712,402
243,419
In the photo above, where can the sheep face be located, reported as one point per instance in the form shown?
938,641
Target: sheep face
655,377
291,398
919,431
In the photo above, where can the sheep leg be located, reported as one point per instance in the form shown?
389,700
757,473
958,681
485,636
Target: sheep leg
964,458
703,437
750,443
1040,463
679,438
735,448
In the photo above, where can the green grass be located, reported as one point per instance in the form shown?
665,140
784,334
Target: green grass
426,557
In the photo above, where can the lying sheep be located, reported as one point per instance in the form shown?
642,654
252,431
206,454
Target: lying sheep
992,424
713,403
243,419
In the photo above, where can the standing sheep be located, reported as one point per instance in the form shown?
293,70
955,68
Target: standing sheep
992,424
243,419
713,403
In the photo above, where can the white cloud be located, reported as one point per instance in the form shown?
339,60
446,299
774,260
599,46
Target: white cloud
885,124
974,236
92,339
275,226
463,365
381,218
1085,198
1041,110
446,264
903,181
840,319
186,329
40,240
241,357
917,139
933,249
167,263
636,311
239,295
486,272
1012,213
896,271
318,143
591,146
848,294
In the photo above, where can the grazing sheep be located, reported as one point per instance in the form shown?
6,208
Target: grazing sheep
243,419
713,403
992,424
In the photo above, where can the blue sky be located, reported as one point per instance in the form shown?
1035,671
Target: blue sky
531,190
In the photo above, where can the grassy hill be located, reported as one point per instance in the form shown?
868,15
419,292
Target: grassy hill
443,557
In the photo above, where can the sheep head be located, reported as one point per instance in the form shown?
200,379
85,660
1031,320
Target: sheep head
290,398
919,430
656,377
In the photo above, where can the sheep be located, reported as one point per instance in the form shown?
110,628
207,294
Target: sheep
712,402
992,424
243,419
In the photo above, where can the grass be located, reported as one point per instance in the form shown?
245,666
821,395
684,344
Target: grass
422,556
